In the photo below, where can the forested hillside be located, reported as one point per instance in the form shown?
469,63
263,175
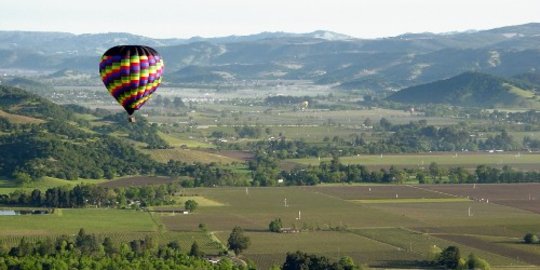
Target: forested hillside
470,89
62,145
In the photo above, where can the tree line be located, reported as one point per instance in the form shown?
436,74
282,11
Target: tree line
93,195
265,172
413,137
86,251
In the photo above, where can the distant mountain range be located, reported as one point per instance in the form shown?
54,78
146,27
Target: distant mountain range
386,64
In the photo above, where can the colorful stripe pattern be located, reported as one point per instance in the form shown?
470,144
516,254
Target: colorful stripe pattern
131,73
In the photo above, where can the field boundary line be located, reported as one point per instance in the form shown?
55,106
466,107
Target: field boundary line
159,226
412,200
214,238
385,243
435,191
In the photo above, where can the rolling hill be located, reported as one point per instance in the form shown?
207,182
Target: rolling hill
40,138
470,89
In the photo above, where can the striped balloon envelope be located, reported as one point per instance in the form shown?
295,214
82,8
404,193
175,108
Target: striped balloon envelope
131,73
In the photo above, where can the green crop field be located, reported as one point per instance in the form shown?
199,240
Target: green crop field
421,243
177,141
466,159
270,248
187,155
8,186
324,210
69,221
361,221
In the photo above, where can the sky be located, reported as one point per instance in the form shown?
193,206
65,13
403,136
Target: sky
213,18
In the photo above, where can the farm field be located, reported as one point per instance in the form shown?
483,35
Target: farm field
136,181
177,141
187,155
420,243
421,222
521,196
270,248
365,222
378,192
7,186
93,220
210,114
464,159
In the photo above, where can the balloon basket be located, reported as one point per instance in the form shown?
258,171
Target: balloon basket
131,119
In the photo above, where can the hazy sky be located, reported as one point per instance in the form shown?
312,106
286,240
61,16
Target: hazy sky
207,18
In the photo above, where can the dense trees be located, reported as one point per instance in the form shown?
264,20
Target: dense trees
86,251
336,172
86,195
300,260
416,136
69,156
282,100
450,258
141,130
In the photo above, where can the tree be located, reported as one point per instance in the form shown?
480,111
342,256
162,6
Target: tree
109,246
195,251
300,261
22,178
434,253
275,225
450,257
190,205
385,124
178,102
35,197
174,245
434,170
530,238
347,263
46,247
237,241
421,177
474,262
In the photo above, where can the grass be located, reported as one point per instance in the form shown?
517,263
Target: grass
187,155
323,211
424,160
271,248
421,243
254,209
8,186
20,119
485,219
178,141
380,192
180,201
421,200
373,228
519,91
69,221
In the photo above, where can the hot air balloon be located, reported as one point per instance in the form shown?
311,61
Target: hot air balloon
131,73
